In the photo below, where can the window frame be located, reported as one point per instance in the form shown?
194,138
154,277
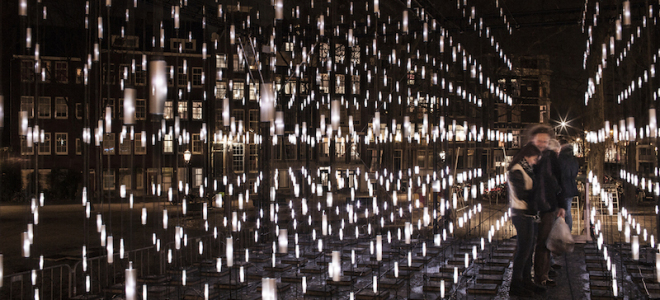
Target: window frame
45,143
49,105
66,143
59,105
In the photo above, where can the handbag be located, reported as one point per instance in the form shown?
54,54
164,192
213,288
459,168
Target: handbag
560,240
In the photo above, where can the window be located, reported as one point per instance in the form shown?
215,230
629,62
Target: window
79,75
398,155
197,110
340,147
254,120
221,61
44,107
340,53
304,87
109,180
141,109
167,178
45,70
79,111
237,162
324,50
290,87
238,63
197,76
355,55
221,90
61,143
125,178
44,148
197,145
140,75
139,179
325,146
109,143
62,71
182,44
254,158
355,82
109,73
78,147
27,70
290,150
421,159
168,144
182,77
27,104
355,154
238,114
168,113
288,46
198,177
25,150
61,109
170,77
124,145
183,110
254,91
238,90
339,83
140,148
324,84
109,102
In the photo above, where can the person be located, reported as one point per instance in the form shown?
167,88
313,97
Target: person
547,193
569,168
524,216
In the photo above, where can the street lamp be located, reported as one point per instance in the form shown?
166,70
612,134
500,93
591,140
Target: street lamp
186,156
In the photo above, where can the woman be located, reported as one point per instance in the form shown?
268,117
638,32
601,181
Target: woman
524,215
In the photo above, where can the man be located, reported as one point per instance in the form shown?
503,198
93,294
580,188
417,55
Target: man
569,169
548,196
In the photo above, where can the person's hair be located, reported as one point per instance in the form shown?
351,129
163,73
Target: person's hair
539,129
526,151
563,142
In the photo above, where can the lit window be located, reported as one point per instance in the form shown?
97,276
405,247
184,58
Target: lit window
220,90
44,107
198,177
61,143
183,110
197,110
238,63
340,53
254,91
339,84
168,113
221,61
254,158
238,90
324,83
168,144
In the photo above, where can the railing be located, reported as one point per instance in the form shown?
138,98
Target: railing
52,283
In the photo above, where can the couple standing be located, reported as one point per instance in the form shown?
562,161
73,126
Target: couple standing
541,188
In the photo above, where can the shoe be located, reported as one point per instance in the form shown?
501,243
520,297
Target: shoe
520,291
537,289
556,266
552,273
548,282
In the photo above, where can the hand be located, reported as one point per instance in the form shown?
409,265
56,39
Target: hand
561,213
